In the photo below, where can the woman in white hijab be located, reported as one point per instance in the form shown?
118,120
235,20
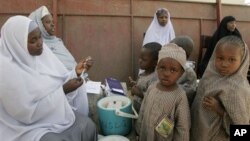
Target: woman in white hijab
45,23
33,103
54,43
161,29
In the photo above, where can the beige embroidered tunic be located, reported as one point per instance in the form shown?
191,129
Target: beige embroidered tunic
159,104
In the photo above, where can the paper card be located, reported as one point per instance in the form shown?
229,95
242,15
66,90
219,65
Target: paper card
93,87
165,127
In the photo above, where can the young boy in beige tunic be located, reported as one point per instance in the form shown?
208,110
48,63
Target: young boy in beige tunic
223,94
147,62
164,115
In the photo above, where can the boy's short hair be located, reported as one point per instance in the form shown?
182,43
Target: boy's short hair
154,48
184,42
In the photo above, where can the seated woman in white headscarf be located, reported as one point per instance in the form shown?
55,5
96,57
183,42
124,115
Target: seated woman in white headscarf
33,103
161,29
45,23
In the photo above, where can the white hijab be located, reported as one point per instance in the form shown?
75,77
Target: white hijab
55,44
77,99
158,33
31,94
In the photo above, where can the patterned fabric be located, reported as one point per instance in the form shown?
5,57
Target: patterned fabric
143,83
234,94
158,105
188,82
159,34
172,50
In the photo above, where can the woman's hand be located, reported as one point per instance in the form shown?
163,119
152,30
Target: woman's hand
72,85
89,63
213,104
84,65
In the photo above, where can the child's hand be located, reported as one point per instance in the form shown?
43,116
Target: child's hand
213,104
136,91
131,81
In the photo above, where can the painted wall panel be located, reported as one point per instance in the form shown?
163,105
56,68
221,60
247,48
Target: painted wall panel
22,6
176,9
106,39
94,7
111,31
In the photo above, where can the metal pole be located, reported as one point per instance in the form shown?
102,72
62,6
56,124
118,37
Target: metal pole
218,11
54,11
132,39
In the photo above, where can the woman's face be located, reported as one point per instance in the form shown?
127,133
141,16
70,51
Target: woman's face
231,26
35,42
162,19
228,59
48,24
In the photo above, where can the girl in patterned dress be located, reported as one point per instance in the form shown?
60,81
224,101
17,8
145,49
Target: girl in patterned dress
223,94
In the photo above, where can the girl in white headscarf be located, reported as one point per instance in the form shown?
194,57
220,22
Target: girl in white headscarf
32,89
161,29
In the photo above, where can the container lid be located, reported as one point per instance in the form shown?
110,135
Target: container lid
114,138
113,102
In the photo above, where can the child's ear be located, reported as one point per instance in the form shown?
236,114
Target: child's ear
182,71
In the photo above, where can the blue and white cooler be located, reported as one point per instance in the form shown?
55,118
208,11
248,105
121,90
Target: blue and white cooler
115,115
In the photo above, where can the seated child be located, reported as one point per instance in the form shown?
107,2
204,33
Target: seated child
222,96
147,61
164,115
188,80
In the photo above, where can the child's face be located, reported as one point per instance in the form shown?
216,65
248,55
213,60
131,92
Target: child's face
48,24
35,42
163,19
231,26
228,59
169,71
146,60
